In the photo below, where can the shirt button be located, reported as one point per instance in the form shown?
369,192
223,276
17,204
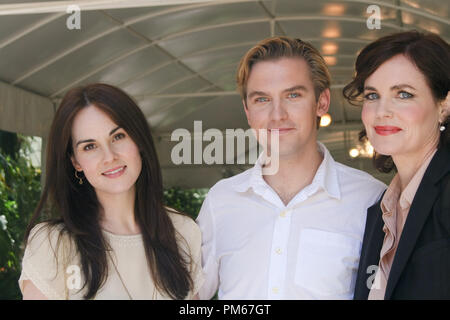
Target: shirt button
278,251
275,290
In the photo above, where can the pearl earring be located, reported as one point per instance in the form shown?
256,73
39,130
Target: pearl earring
442,128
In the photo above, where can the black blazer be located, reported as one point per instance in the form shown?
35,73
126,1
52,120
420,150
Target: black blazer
421,266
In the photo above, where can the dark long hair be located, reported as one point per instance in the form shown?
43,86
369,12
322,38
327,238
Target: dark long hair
76,208
431,55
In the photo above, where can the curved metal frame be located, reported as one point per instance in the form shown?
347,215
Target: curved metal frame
199,52
189,31
271,19
58,6
27,30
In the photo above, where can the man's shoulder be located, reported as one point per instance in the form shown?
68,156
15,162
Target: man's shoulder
354,175
225,192
231,184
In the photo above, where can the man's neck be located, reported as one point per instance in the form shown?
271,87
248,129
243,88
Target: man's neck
294,173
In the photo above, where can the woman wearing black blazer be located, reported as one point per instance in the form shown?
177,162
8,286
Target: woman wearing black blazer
404,82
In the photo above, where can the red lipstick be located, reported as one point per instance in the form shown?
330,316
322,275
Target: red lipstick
386,130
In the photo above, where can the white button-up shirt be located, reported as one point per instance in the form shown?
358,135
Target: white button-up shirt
255,247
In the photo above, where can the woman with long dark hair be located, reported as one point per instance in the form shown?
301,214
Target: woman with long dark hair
403,82
107,234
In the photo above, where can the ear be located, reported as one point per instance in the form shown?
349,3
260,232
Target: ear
444,109
75,164
323,103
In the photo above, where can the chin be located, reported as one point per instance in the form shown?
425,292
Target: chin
386,147
386,150
289,151
114,190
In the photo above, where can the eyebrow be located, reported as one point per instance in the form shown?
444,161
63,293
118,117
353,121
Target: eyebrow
262,93
369,88
401,86
256,93
396,87
92,140
294,88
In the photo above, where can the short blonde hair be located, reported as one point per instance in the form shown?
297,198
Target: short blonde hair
284,47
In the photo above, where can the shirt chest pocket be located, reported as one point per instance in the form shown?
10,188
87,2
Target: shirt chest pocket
327,263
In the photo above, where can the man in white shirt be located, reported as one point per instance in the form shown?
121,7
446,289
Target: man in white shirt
295,234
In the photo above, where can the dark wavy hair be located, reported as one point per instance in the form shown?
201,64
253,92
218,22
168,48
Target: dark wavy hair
431,55
76,208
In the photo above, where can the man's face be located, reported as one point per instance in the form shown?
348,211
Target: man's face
280,96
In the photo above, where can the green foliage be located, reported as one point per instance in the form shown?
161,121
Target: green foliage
186,200
19,192
10,144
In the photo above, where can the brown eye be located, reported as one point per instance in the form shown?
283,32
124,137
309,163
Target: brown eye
88,147
119,136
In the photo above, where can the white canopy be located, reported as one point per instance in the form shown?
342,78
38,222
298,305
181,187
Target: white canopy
178,60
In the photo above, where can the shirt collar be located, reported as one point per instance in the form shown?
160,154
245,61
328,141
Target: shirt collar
405,198
255,179
390,198
326,176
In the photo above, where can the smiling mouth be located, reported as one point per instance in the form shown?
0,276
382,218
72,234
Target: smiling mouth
115,172
386,130
281,130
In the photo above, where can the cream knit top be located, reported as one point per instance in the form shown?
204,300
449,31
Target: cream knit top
62,278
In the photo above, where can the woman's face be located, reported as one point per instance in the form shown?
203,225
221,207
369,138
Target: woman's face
106,154
399,112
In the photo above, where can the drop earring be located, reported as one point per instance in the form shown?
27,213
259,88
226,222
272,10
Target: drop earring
80,180
441,128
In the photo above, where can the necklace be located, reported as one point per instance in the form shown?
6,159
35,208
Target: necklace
120,277
154,293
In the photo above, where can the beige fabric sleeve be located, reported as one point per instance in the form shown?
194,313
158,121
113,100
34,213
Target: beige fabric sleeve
39,263
196,251
192,237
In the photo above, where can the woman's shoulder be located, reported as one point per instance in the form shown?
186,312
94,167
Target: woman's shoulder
184,224
48,237
47,252
45,231
180,219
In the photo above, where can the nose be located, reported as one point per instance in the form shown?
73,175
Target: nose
384,108
108,154
279,111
